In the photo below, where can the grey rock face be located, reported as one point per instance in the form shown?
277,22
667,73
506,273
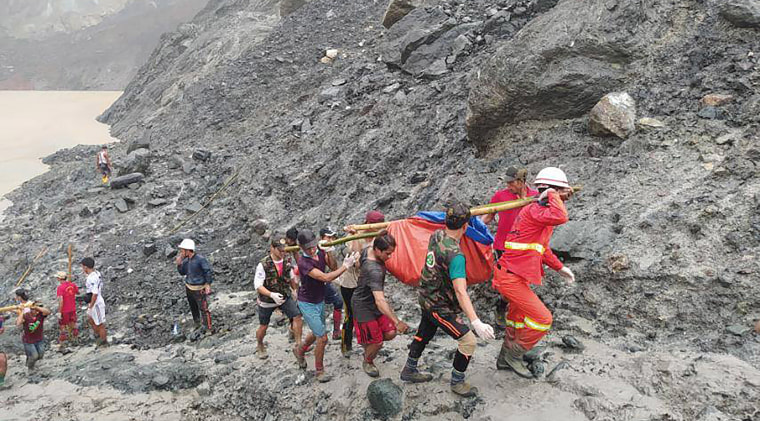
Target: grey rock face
121,205
558,66
385,397
420,43
582,239
742,13
289,6
613,115
125,180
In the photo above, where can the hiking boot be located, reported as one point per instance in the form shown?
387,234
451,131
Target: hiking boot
509,359
415,376
261,352
299,356
464,389
336,335
346,353
99,343
370,369
323,377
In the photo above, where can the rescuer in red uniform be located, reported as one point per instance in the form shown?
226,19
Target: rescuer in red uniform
526,249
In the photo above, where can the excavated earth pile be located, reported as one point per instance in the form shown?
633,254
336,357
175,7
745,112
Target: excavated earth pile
663,238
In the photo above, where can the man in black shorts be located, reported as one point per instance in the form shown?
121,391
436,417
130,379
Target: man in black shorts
275,281
442,296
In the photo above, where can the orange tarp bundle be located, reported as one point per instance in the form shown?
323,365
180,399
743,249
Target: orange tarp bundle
412,236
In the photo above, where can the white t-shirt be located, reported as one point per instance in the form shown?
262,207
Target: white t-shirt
102,158
94,285
261,276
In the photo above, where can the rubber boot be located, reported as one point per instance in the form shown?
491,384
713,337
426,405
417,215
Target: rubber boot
337,319
511,358
464,389
415,376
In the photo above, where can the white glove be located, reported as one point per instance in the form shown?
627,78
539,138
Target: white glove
568,274
483,330
350,260
277,297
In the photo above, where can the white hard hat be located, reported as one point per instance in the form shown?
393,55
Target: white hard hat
187,244
552,176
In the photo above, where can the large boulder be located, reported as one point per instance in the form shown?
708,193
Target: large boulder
742,13
582,240
125,180
136,161
560,64
613,115
385,397
421,43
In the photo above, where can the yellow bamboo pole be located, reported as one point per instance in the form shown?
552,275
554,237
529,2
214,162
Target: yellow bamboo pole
16,307
29,268
340,240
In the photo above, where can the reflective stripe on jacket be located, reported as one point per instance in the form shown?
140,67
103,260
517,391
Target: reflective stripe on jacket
531,232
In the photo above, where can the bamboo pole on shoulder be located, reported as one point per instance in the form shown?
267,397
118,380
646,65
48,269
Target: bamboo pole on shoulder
476,211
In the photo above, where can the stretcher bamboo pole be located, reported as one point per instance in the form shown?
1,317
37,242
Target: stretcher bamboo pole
476,211
29,268
340,240
16,307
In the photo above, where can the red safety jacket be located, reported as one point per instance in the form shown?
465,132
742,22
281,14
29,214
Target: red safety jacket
527,245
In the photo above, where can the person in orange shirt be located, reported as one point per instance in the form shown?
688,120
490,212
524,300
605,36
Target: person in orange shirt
517,188
526,250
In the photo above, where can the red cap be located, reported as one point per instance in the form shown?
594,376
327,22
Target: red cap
373,217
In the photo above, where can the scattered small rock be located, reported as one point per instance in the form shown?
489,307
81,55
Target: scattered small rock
738,330
149,249
121,205
193,206
715,100
571,342
650,122
201,155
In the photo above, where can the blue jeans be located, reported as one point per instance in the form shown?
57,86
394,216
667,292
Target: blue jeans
314,316
34,352
333,297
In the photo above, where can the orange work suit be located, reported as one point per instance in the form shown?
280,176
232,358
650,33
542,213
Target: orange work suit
521,264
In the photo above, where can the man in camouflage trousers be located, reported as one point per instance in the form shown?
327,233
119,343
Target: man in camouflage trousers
443,296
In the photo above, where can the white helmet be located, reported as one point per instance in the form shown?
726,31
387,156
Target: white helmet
552,176
187,244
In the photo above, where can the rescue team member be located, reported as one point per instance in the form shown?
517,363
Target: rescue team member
375,320
275,281
349,281
67,307
521,265
516,189
96,307
198,280
442,296
332,297
103,163
312,266
32,322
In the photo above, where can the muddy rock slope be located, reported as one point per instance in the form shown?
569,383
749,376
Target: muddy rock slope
260,123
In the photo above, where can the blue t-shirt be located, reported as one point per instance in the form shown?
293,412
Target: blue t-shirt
457,268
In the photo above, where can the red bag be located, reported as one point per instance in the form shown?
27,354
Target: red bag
412,237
